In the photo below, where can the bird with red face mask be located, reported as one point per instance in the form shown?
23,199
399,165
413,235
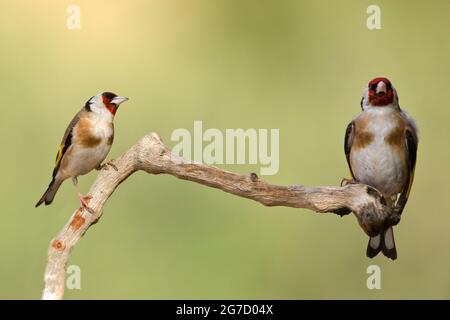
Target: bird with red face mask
381,146
85,144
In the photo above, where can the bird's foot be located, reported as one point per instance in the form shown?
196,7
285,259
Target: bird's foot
395,217
106,165
84,201
346,181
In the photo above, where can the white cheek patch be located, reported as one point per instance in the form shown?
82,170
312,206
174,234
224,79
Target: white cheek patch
101,112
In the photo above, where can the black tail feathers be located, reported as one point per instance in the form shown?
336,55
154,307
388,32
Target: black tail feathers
383,242
50,193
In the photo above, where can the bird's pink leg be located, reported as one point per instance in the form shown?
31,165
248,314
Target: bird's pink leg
106,165
84,200
346,181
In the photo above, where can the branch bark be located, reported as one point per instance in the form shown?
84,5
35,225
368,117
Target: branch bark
151,156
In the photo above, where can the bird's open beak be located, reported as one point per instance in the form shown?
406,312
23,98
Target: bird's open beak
119,100
381,88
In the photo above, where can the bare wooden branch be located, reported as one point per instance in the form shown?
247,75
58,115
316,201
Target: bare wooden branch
151,155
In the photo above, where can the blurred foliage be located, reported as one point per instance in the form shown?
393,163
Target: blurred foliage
299,66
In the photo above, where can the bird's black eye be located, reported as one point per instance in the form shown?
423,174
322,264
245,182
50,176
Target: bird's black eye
388,86
373,86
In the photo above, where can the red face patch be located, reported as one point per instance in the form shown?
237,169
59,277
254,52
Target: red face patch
376,80
380,99
110,106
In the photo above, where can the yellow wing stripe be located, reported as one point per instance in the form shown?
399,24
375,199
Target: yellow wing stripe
411,179
59,156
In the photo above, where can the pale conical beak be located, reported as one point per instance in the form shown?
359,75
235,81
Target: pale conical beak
119,100
381,87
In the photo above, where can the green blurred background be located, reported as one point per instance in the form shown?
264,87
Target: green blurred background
299,66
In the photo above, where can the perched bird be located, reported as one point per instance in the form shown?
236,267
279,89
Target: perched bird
85,144
381,146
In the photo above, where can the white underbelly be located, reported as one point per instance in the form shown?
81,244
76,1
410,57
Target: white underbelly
83,160
379,166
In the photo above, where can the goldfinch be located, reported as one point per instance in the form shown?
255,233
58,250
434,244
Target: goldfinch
381,147
85,144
